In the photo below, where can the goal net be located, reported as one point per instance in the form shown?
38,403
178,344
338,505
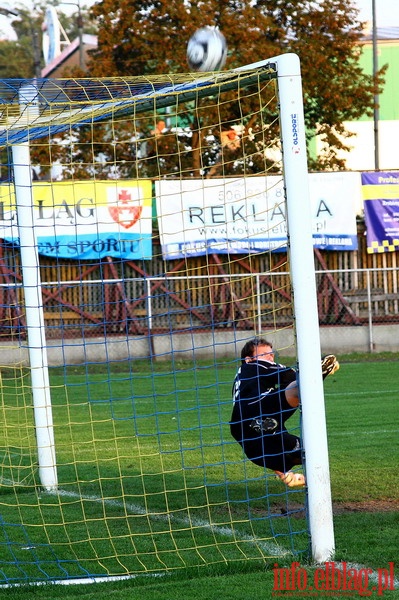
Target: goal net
144,241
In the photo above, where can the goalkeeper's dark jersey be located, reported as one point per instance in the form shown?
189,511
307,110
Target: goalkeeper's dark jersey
258,394
256,391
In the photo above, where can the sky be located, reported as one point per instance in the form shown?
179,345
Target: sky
387,12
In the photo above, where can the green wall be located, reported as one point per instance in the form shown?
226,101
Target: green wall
388,54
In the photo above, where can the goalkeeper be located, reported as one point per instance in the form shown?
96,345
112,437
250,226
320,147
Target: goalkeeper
265,395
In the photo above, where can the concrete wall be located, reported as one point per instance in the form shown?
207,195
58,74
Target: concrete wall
205,345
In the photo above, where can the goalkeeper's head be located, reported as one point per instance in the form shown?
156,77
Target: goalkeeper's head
256,348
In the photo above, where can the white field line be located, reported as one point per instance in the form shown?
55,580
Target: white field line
81,581
359,393
367,432
136,509
272,549
9,482
373,574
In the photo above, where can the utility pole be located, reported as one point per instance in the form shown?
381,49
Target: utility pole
36,52
376,96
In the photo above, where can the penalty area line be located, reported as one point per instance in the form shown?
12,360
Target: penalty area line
373,574
273,550
82,580
369,432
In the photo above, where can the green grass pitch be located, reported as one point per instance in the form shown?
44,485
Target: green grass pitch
127,466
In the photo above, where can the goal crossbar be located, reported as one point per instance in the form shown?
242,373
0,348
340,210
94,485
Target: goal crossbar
65,103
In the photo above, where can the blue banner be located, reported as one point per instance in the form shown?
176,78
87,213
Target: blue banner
381,211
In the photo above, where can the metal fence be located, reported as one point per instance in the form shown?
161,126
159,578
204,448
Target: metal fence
250,301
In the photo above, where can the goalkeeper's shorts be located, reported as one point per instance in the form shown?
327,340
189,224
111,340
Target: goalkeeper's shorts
280,451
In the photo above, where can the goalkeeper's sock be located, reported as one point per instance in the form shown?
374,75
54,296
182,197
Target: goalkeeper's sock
329,365
291,479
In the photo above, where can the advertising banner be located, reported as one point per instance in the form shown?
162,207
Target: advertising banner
381,211
244,215
86,219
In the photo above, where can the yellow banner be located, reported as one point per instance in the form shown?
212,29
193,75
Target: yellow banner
85,219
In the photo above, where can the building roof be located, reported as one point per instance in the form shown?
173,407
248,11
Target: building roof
70,56
383,33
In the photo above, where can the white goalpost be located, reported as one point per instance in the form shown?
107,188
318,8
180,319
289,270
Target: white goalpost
36,335
305,302
135,307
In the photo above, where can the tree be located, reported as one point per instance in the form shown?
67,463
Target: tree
137,37
22,59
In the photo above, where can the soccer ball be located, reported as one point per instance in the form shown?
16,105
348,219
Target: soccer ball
207,50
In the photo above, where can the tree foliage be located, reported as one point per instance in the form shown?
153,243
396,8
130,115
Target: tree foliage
18,57
141,37
137,37
23,59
